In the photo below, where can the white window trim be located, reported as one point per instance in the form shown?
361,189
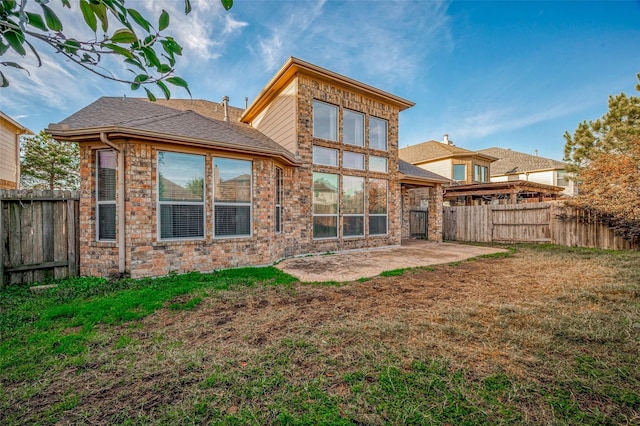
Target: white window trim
181,203
313,124
354,153
345,110
105,202
335,151
219,203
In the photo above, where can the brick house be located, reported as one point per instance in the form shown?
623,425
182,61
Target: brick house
10,132
190,185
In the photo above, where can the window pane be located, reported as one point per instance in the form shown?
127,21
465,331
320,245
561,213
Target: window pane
232,220
377,225
325,226
352,160
181,177
325,156
459,172
325,121
325,193
278,199
377,164
352,226
106,175
353,195
377,133
106,221
353,128
181,221
231,180
377,196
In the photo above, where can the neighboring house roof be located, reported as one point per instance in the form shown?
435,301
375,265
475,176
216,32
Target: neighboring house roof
148,120
493,188
411,172
514,162
20,129
434,150
294,66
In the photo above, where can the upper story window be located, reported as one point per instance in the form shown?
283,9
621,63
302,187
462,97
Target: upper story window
232,197
377,164
377,133
353,128
460,172
325,156
106,195
352,160
325,121
480,173
180,195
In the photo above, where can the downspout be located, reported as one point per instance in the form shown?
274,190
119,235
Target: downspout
121,206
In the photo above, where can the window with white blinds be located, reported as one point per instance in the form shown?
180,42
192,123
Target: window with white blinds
181,195
232,197
106,195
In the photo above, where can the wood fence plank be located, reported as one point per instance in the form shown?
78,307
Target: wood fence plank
72,207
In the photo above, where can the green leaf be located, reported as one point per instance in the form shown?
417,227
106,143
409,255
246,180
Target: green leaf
141,78
117,49
100,11
171,47
164,68
227,4
89,16
36,21
35,52
187,7
177,81
151,57
124,35
51,18
135,62
163,22
3,47
66,4
150,95
164,88
139,19
15,40
3,81
15,65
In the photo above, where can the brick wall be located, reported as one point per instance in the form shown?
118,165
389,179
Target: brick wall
6,184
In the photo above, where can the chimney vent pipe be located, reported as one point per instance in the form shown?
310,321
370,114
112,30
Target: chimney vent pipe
225,104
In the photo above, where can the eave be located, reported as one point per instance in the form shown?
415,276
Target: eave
456,155
21,130
295,66
115,132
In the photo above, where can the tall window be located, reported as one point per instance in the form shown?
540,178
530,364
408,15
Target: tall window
353,128
460,172
325,121
377,206
377,133
106,195
353,206
278,198
232,197
181,195
325,205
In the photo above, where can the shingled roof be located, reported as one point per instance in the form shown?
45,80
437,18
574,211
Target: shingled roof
412,171
434,150
514,162
138,117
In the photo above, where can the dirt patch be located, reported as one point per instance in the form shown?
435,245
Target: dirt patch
354,264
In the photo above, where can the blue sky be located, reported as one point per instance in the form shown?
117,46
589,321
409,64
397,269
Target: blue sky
512,74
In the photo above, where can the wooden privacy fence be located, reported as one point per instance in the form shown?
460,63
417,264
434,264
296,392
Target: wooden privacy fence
38,235
530,223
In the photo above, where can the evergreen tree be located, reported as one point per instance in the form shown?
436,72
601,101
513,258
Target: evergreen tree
49,164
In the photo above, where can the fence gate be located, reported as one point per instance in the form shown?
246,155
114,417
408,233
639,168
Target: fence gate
418,224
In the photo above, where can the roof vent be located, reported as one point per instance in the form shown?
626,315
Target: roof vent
446,140
225,103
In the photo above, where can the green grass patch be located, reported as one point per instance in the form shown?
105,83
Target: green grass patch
394,272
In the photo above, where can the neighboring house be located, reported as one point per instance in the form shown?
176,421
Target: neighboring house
446,159
10,132
514,165
190,185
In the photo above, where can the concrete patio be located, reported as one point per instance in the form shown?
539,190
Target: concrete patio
353,264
